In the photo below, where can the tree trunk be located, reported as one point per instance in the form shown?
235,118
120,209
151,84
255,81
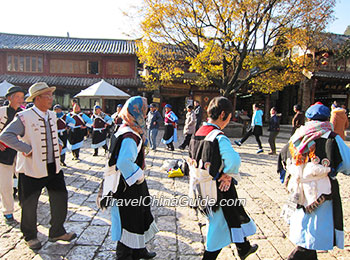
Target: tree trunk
234,103
267,107
306,88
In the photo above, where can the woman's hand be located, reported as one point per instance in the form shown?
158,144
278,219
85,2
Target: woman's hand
225,182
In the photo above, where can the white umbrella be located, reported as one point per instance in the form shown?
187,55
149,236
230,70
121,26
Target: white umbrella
4,86
104,90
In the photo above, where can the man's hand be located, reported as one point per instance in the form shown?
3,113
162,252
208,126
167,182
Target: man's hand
27,154
225,182
2,147
83,126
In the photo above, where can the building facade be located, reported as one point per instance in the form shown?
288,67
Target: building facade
70,64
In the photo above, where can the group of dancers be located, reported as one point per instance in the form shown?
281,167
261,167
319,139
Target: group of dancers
308,164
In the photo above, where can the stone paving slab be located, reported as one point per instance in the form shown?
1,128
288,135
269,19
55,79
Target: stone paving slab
182,229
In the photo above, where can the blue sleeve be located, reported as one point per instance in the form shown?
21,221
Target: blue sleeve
108,120
70,121
231,158
126,161
10,136
173,117
344,150
88,121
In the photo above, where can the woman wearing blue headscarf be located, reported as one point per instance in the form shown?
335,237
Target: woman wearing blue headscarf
132,224
312,159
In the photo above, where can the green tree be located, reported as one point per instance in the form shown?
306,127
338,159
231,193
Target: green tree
230,43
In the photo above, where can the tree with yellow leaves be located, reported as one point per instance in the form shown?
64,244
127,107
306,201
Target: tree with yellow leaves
230,43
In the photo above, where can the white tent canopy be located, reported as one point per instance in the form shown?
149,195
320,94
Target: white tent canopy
103,89
4,86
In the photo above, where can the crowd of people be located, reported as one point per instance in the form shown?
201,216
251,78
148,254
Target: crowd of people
34,141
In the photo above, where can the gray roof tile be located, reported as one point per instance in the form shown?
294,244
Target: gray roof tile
68,81
65,44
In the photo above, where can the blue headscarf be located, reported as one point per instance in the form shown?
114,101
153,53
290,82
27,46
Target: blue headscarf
134,112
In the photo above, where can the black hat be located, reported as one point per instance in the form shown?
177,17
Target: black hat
13,90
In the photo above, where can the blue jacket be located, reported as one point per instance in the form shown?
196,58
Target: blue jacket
153,117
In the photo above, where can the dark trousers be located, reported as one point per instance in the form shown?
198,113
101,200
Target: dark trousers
242,249
248,134
76,153
104,147
186,141
62,158
272,140
29,193
300,253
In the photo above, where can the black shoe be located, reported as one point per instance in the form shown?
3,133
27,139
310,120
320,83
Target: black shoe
95,154
251,250
123,252
15,190
63,164
143,254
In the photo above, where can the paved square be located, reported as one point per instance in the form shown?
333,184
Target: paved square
182,230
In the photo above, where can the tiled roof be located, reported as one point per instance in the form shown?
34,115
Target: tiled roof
65,44
332,75
68,81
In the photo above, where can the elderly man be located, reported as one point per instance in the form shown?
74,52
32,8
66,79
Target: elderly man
34,134
15,96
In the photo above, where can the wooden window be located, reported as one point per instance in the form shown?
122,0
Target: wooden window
93,67
68,66
19,63
121,68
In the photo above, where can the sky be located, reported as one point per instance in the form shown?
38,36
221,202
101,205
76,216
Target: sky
103,19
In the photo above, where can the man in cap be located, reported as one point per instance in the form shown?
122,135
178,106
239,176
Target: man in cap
64,121
34,133
153,121
15,97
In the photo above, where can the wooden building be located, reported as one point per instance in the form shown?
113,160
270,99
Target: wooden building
70,64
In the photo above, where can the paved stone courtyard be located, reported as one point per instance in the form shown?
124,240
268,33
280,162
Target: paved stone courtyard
182,230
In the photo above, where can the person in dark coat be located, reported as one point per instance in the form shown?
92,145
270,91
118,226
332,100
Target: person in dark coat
274,129
198,111
298,119
153,121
